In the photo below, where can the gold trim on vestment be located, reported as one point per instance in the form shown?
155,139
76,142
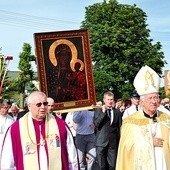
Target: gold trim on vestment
29,144
140,119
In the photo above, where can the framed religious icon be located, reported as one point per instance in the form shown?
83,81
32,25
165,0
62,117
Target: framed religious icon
65,68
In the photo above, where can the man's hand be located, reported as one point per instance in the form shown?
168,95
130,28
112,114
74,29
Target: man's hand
157,142
104,108
92,125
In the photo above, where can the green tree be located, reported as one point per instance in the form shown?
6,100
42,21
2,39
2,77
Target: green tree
162,93
120,45
27,74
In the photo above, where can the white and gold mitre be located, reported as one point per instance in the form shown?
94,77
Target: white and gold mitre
146,81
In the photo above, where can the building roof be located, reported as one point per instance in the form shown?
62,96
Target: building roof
12,75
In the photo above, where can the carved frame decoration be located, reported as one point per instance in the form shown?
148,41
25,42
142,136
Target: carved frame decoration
65,68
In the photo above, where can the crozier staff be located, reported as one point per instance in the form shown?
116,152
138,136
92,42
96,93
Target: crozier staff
38,141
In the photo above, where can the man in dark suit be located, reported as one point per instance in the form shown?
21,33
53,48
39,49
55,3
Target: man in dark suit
107,121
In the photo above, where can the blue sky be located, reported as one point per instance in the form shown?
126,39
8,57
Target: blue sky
20,19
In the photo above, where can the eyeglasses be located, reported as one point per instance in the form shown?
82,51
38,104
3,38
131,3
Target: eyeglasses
39,104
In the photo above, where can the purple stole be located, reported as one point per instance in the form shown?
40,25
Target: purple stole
17,147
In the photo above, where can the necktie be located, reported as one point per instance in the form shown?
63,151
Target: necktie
136,108
110,115
109,112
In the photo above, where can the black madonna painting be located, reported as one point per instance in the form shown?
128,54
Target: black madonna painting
65,67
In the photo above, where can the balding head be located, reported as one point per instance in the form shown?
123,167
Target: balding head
50,104
50,101
33,95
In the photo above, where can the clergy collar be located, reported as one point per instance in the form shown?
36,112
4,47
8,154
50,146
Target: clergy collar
38,121
150,116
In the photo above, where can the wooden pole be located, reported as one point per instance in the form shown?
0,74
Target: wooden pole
2,82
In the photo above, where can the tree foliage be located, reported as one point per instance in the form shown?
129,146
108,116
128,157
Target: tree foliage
25,60
26,75
120,45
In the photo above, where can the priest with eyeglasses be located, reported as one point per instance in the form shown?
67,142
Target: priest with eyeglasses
145,134
39,141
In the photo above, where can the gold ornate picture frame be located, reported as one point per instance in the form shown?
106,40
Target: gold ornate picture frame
65,68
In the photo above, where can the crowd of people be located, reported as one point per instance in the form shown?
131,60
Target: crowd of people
116,135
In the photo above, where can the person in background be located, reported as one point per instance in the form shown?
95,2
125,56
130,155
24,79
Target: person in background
23,111
51,108
85,138
119,103
127,103
51,105
144,142
107,121
135,100
14,111
166,103
71,124
162,108
39,140
5,120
